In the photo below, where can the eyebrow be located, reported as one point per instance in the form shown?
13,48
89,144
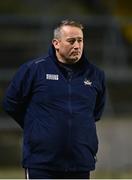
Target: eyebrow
72,38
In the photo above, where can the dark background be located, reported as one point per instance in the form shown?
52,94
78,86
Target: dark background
26,28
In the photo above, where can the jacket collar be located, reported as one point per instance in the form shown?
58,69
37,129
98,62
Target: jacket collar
82,62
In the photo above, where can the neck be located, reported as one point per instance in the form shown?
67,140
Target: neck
66,61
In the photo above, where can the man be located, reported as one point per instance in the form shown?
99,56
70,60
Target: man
57,99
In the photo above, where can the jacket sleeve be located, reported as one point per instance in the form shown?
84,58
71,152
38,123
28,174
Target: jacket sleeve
18,94
101,98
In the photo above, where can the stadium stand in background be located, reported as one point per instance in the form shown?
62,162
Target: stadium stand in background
26,30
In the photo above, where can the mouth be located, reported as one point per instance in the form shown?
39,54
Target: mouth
76,53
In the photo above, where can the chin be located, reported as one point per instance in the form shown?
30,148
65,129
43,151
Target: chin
76,59
73,61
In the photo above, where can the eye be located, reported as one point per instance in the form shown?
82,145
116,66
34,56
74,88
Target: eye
71,41
79,40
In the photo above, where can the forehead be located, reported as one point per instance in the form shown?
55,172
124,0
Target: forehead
71,31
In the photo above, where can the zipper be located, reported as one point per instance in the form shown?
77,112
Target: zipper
69,119
69,91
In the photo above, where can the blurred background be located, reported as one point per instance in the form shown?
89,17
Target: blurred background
25,33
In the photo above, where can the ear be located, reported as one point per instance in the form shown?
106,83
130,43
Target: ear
56,43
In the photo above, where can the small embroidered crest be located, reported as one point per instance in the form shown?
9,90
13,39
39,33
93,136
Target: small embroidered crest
87,82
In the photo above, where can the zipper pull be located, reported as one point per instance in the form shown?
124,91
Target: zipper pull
70,75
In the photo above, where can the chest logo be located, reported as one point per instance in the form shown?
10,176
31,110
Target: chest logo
87,82
52,76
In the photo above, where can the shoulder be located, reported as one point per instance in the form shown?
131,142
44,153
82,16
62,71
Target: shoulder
31,67
97,71
96,68
33,64
37,61
92,67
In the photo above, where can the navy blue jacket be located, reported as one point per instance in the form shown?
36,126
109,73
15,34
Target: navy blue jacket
57,107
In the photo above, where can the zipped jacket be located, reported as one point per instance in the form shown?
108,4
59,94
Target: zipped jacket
57,107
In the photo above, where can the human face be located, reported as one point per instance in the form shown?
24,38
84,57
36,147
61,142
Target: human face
69,46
